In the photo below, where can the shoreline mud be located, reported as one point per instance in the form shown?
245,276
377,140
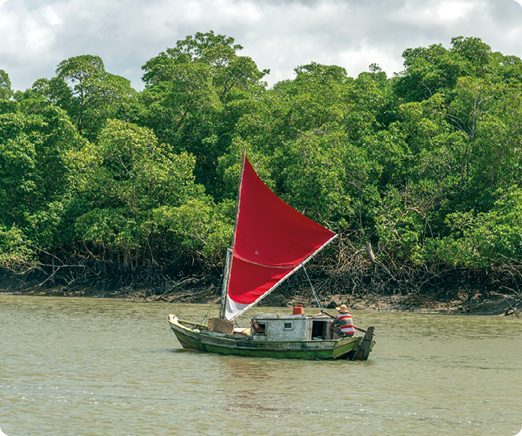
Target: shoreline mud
461,304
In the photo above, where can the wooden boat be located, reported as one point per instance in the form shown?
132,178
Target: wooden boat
271,242
287,336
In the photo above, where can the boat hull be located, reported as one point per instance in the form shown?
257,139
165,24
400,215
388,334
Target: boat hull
238,345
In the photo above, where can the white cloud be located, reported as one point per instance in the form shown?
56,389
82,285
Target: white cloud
36,35
446,12
51,16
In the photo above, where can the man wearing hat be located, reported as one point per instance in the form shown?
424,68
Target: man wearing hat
343,323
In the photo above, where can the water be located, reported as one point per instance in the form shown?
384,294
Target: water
71,366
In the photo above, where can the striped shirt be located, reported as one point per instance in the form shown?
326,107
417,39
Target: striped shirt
344,324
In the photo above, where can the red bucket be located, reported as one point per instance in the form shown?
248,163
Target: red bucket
298,309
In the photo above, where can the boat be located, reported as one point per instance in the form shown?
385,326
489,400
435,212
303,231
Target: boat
271,242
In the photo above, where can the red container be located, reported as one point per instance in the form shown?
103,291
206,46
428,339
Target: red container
298,309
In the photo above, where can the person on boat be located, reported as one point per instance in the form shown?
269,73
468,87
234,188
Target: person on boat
343,322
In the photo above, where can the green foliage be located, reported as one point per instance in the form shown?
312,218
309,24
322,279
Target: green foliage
182,107
218,52
195,93
88,93
15,253
479,239
425,164
34,169
134,193
5,85
198,224
436,69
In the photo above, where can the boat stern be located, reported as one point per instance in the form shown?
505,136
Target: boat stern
355,348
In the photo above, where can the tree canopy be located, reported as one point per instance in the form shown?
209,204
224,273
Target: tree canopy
425,164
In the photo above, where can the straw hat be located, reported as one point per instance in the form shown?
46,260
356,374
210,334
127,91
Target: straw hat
342,308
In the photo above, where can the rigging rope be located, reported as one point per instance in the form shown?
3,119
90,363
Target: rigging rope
215,296
313,290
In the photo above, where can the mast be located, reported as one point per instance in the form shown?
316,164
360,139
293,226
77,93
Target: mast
230,251
226,277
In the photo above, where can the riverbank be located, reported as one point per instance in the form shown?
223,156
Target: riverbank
463,303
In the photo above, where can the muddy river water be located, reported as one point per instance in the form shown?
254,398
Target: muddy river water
95,367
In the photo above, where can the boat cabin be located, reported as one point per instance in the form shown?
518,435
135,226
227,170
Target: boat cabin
290,327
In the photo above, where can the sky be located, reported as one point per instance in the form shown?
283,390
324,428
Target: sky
36,35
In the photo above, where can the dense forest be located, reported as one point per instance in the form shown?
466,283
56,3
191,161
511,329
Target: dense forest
105,186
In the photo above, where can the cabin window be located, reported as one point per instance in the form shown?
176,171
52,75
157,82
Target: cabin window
259,328
288,326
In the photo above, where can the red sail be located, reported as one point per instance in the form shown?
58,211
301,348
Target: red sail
271,240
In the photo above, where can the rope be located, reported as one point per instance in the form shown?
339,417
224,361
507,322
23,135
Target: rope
290,266
313,290
215,296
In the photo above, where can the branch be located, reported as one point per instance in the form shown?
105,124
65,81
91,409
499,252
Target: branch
369,250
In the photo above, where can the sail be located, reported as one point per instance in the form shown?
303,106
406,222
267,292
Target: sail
271,241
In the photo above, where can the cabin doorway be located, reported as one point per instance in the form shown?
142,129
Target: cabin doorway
319,330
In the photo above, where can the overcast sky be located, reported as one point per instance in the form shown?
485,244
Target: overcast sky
36,35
